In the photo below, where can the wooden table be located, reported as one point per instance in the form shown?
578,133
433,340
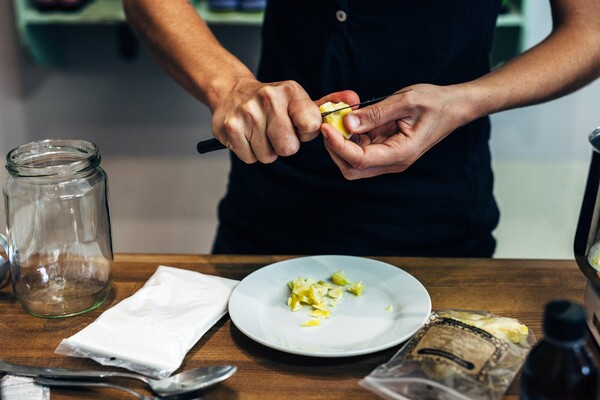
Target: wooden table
511,288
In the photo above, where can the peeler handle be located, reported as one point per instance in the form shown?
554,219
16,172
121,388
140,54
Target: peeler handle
206,146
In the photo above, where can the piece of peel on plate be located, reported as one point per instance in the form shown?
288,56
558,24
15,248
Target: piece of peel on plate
337,118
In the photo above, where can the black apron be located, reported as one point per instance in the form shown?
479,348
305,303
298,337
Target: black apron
442,205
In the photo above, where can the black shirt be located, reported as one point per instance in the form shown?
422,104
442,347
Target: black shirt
442,205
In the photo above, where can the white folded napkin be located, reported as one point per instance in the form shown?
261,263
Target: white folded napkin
151,331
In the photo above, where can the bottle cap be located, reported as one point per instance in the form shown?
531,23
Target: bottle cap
564,320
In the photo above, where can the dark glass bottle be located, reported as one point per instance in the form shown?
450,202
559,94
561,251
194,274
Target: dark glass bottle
559,367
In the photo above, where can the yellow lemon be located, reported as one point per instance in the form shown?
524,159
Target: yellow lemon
337,118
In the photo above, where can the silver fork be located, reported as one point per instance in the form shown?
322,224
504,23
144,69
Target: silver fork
62,382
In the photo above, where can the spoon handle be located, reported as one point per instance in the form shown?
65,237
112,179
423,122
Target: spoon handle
181,384
32,371
62,382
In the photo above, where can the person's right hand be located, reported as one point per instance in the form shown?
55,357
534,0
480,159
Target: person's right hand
262,121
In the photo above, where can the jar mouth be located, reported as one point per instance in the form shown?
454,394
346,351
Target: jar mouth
52,157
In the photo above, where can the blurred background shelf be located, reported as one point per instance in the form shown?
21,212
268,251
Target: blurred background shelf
511,29
228,17
40,41
510,20
93,12
111,12
39,30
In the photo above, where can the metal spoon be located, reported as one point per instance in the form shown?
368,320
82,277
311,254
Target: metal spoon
62,382
182,383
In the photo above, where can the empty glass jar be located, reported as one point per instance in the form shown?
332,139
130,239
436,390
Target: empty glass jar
59,241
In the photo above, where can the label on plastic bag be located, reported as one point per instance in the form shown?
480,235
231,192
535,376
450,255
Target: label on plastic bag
451,342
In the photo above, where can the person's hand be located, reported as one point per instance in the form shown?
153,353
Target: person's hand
391,135
260,122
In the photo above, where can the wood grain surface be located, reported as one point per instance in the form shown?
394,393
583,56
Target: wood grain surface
510,288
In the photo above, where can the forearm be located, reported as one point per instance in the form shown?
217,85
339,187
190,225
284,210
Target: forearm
183,45
566,60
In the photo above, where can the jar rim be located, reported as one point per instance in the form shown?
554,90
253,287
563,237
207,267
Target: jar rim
52,157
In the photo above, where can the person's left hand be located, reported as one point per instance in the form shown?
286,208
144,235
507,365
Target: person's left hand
391,135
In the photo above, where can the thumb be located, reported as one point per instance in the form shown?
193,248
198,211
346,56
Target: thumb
352,123
368,118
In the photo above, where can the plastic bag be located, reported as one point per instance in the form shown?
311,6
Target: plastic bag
456,355
151,331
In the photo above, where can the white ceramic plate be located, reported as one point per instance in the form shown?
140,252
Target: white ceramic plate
358,325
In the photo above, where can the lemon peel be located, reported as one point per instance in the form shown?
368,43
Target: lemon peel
321,313
357,288
320,295
312,322
339,278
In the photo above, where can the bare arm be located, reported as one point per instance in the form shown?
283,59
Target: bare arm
566,60
183,45
258,121
397,131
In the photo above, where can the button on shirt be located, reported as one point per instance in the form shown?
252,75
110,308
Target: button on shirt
441,206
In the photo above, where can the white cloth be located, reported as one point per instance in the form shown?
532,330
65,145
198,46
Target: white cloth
151,331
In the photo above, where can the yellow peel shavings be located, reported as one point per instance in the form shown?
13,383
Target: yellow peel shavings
320,295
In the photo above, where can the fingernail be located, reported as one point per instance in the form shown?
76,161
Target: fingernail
352,122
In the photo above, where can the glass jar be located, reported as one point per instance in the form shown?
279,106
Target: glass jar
59,242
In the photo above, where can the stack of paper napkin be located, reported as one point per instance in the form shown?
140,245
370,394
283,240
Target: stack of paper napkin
152,331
